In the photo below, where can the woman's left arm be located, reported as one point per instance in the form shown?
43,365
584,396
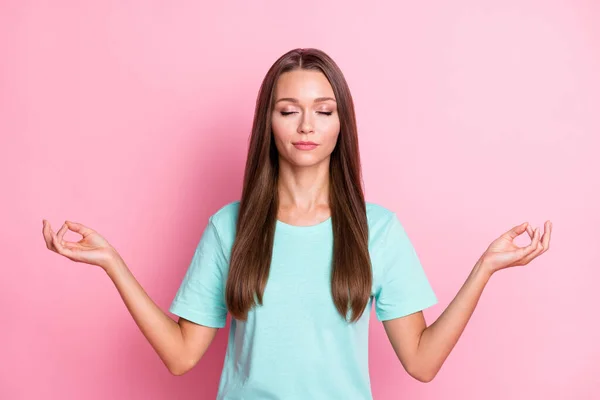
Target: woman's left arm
423,349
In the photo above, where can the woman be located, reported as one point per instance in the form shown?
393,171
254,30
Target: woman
300,259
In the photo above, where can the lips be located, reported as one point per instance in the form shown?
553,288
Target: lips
305,145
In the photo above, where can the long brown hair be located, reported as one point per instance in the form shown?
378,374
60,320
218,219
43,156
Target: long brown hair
251,253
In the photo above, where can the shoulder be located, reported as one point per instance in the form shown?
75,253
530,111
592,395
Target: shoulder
383,222
379,217
226,213
224,221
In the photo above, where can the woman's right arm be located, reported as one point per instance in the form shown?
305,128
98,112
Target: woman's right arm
179,345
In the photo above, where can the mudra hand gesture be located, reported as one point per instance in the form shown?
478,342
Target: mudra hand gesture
503,253
91,249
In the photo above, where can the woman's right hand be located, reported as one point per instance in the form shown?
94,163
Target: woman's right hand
91,249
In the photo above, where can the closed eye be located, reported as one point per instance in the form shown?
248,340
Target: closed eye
284,113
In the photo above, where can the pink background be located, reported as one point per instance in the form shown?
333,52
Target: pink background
133,118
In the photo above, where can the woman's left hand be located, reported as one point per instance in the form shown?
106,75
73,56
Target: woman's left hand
503,253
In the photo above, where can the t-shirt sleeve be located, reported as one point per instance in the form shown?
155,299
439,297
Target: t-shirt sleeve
201,295
403,287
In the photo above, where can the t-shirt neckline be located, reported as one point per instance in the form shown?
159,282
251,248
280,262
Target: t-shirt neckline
297,229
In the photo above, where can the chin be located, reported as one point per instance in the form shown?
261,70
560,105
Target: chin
305,161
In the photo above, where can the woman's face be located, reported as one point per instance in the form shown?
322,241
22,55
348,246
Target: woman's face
305,110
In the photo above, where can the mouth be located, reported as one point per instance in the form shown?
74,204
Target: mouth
311,143
305,145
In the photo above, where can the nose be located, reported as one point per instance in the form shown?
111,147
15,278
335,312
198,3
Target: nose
306,125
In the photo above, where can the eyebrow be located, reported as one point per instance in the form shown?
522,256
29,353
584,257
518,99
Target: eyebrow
294,100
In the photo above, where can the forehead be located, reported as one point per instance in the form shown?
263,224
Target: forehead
303,84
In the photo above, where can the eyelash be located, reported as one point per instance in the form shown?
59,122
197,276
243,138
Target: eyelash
284,113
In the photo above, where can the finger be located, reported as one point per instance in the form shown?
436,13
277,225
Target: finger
530,231
61,232
527,250
60,249
536,240
50,234
545,240
79,228
516,231
547,234
539,250
47,236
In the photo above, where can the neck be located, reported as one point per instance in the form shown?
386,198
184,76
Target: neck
305,189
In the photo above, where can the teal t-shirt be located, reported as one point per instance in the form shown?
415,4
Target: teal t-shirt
296,345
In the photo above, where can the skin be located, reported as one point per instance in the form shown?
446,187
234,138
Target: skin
303,192
423,349
304,175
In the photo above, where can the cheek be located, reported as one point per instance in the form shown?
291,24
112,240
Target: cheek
280,134
281,128
331,133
